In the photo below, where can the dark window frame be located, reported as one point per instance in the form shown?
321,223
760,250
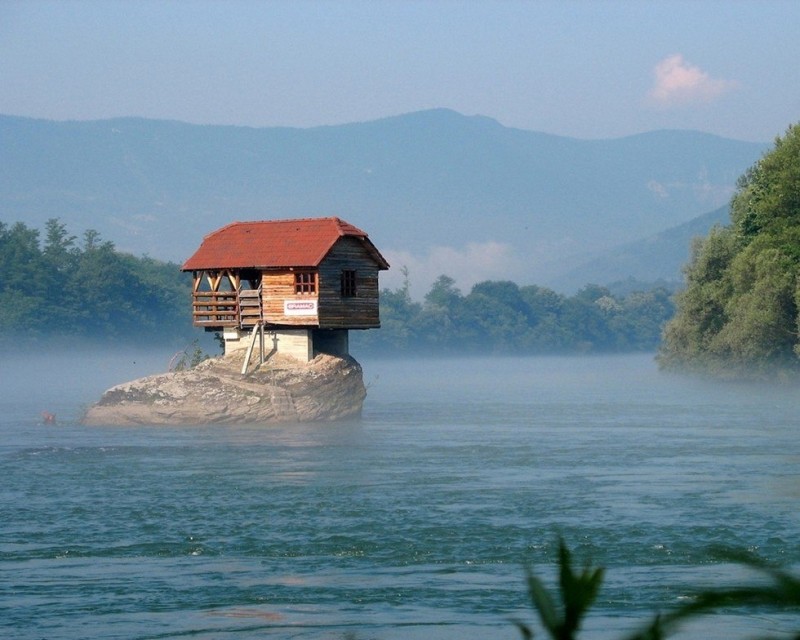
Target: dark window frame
348,283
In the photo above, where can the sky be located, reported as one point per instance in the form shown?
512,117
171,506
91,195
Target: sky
585,69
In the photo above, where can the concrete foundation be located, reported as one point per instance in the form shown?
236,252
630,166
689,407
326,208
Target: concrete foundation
296,343
301,344
235,340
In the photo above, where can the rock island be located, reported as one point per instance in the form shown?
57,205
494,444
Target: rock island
283,389
284,295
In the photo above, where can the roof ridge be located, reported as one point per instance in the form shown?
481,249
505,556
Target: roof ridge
304,219
286,242
343,227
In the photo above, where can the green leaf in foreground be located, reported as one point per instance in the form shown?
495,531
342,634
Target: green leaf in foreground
561,614
577,592
781,591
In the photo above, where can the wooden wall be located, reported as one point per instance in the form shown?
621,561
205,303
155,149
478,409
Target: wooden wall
333,311
360,311
277,286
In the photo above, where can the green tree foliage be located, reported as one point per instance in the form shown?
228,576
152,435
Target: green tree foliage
501,317
561,611
24,276
738,316
87,290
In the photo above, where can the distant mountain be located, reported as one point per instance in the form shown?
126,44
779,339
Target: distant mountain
660,257
448,193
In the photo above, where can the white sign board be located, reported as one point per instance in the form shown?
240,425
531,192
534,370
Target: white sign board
300,307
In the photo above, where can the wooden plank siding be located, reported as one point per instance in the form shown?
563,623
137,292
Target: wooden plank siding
333,311
244,275
277,286
356,312
221,299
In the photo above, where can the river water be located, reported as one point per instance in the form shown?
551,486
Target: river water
415,522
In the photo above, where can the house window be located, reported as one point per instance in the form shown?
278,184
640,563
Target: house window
305,282
348,283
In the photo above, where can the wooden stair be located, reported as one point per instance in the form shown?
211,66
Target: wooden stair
250,309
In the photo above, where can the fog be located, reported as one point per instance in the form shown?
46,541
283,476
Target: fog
64,381
631,379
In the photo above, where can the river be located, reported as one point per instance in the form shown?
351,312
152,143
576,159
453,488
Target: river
415,522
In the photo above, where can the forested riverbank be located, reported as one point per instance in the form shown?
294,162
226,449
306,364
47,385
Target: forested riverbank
502,317
57,286
62,288
738,316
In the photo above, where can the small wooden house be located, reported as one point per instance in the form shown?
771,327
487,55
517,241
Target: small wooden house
304,282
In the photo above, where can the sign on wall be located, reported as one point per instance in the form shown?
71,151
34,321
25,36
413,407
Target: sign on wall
300,307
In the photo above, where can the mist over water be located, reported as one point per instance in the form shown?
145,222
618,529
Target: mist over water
64,382
414,522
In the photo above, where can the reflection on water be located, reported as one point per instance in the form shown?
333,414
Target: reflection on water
414,522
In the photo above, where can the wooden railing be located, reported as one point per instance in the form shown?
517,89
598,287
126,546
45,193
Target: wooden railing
227,308
215,309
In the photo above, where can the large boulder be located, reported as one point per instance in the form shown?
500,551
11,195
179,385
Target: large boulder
280,390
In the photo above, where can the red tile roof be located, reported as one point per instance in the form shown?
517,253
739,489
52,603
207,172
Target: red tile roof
275,243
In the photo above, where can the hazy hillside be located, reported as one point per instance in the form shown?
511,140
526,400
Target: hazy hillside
436,190
660,257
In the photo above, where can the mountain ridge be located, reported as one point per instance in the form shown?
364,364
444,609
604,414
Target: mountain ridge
657,258
417,183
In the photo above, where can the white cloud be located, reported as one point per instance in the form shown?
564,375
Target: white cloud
659,189
678,82
474,262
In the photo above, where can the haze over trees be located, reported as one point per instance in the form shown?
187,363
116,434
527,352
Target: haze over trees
503,318
738,316
58,287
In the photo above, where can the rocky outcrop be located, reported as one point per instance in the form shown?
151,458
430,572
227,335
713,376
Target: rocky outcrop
280,390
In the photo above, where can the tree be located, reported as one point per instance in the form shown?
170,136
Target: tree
89,291
443,293
494,317
500,317
23,278
59,246
738,316
439,325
